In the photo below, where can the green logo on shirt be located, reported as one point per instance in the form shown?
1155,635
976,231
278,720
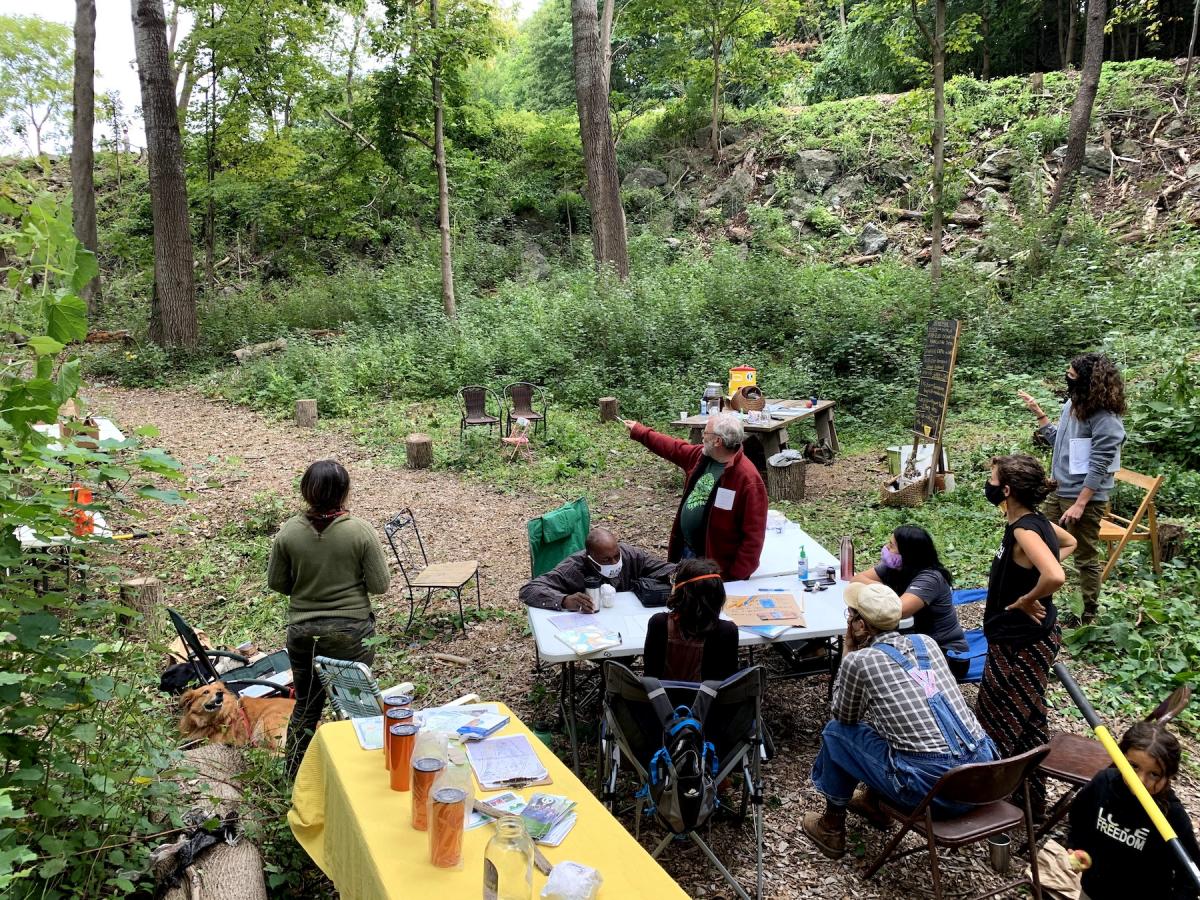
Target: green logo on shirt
700,493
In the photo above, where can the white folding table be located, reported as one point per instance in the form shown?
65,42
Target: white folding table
824,614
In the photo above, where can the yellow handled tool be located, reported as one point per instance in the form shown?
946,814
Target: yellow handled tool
1131,779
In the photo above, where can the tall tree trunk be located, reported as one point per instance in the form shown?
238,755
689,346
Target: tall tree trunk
606,27
83,124
439,158
185,92
1072,32
939,138
1187,69
210,164
1081,113
173,306
595,131
842,13
1061,34
985,26
714,140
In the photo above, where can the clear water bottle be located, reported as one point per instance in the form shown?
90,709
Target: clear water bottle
508,862
802,564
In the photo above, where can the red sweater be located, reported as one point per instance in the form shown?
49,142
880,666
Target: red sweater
733,537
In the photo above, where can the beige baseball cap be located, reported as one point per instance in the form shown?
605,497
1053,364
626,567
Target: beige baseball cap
878,604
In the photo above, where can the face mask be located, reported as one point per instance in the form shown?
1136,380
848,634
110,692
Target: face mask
611,571
994,493
890,557
1072,385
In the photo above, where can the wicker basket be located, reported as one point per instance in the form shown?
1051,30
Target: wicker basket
747,398
911,494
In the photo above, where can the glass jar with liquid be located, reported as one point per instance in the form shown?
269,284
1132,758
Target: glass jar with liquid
508,862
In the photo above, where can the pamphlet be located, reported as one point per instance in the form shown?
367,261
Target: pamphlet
573,620
544,812
591,639
471,723
508,802
369,732
770,632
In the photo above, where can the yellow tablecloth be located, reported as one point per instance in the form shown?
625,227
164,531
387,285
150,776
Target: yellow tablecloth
345,815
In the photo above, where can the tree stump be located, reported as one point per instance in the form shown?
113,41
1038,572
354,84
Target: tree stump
306,413
608,409
147,596
418,451
1170,539
786,482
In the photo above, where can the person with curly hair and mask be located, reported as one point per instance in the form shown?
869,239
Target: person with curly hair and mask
1087,453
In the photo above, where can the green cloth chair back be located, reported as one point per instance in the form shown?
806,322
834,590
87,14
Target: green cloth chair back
556,535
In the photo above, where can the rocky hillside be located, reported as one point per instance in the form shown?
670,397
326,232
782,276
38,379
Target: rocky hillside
849,180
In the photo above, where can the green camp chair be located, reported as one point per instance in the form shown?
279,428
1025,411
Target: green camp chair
556,535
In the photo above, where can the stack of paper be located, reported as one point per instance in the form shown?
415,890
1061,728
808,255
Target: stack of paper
471,723
513,804
508,761
370,732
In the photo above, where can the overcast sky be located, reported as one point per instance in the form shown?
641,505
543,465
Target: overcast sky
115,70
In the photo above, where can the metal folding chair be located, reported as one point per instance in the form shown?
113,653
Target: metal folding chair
631,734
986,786
419,574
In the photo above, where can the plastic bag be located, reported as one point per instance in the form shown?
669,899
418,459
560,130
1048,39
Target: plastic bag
572,881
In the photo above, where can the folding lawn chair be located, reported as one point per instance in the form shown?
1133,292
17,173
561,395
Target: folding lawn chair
977,646
249,678
420,574
555,535
352,690
632,733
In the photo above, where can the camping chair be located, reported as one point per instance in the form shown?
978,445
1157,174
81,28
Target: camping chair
519,398
986,786
631,734
555,535
977,646
351,688
473,402
249,678
1076,760
419,575
1119,531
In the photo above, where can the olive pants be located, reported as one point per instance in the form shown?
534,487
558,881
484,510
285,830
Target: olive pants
1088,562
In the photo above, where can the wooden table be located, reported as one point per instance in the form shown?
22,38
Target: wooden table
772,435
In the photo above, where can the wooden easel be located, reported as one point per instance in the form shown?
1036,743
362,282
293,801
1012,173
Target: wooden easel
933,395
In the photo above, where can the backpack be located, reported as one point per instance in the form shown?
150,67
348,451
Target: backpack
683,772
651,592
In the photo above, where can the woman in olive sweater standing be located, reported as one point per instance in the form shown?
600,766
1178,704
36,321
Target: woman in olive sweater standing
327,562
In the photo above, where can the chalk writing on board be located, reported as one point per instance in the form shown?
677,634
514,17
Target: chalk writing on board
933,382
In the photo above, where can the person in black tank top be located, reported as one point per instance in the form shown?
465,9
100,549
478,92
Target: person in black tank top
1019,618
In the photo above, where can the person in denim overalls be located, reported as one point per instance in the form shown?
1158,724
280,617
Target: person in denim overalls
899,723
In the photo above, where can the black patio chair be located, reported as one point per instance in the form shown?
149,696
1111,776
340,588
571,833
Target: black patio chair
237,679
987,787
419,574
474,401
519,400
631,734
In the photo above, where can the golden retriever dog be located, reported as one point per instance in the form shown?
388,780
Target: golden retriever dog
217,713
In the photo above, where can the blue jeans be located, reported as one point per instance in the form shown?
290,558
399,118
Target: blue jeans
853,754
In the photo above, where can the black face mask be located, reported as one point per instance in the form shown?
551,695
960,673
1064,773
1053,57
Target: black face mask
1072,385
994,493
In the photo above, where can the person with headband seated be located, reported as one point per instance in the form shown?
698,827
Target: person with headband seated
603,560
691,642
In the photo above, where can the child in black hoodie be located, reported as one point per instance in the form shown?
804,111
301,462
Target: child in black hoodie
1128,858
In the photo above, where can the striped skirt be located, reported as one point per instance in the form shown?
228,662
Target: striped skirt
1012,700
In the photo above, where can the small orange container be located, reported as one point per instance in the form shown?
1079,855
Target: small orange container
403,737
396,716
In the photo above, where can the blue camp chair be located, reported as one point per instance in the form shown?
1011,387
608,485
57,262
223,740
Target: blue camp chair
977,647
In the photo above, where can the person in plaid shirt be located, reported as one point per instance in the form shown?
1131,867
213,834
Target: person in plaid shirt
899,723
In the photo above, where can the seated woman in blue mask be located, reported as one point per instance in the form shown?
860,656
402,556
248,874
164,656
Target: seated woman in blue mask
691,642
910,566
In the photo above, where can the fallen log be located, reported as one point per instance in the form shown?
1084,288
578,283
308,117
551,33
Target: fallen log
864,260
245,354
108,337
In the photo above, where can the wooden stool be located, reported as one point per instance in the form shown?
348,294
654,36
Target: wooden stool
1075,760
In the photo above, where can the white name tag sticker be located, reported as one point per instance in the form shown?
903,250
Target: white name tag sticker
724,498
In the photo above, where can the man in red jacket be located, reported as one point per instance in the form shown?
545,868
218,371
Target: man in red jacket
723,514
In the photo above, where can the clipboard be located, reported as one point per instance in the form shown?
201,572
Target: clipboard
770,608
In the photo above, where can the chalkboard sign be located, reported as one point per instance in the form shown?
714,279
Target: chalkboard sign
933,384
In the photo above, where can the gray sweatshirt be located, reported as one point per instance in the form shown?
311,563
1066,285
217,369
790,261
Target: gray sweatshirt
568,577
1106,433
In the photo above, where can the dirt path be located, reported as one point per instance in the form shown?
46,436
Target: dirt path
232,456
